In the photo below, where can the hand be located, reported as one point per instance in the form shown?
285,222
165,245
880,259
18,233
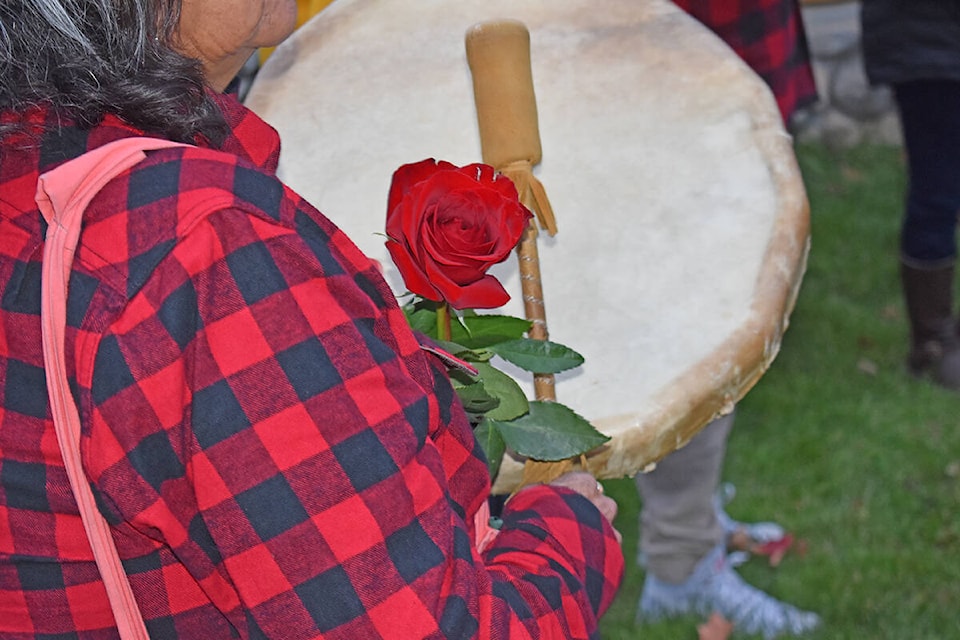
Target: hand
588,486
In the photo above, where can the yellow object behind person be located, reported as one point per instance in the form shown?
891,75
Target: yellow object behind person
306,9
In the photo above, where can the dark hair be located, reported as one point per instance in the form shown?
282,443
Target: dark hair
84,59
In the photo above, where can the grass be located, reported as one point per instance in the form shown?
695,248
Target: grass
837,442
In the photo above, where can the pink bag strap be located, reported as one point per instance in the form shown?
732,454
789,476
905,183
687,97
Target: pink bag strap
62,195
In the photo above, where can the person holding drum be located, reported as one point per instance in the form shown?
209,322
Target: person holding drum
684,532
915,48
276,455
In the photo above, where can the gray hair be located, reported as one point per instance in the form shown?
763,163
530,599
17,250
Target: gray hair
84,59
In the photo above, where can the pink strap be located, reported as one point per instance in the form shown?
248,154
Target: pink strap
62,195
484,533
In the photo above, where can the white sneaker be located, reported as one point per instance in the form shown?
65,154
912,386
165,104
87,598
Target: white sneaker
715,586
759,533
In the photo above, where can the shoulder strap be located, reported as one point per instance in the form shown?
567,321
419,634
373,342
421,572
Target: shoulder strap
62,196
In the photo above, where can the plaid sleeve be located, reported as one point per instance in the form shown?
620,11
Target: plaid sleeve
555,552
265,428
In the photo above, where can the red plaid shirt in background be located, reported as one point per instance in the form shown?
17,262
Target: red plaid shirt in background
769,36
277,456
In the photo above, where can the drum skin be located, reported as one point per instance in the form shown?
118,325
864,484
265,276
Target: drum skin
683,221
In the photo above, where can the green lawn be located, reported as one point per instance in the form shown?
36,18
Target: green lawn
836,442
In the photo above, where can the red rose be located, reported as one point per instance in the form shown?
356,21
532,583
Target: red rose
448,225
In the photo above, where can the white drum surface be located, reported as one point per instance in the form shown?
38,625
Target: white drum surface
682,218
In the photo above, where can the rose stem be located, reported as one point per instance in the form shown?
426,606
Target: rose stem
443,322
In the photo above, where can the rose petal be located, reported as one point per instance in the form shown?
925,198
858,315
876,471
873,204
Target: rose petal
486,293
461,239
415,279
441,280
409,175
482,292
405,177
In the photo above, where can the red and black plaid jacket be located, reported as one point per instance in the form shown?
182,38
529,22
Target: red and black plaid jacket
276,455
769,36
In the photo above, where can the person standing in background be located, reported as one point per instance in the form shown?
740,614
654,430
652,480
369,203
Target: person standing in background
684,531
769,36
915,48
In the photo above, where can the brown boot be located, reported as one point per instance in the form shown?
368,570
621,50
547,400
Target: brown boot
935,346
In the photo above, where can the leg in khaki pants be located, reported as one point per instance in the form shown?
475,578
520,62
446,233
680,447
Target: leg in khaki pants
683,541
678,523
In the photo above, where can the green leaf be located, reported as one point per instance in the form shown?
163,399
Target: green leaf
453,348
488,329
422,319
488,435
464,353
550,431
539,356
513,402
475,398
